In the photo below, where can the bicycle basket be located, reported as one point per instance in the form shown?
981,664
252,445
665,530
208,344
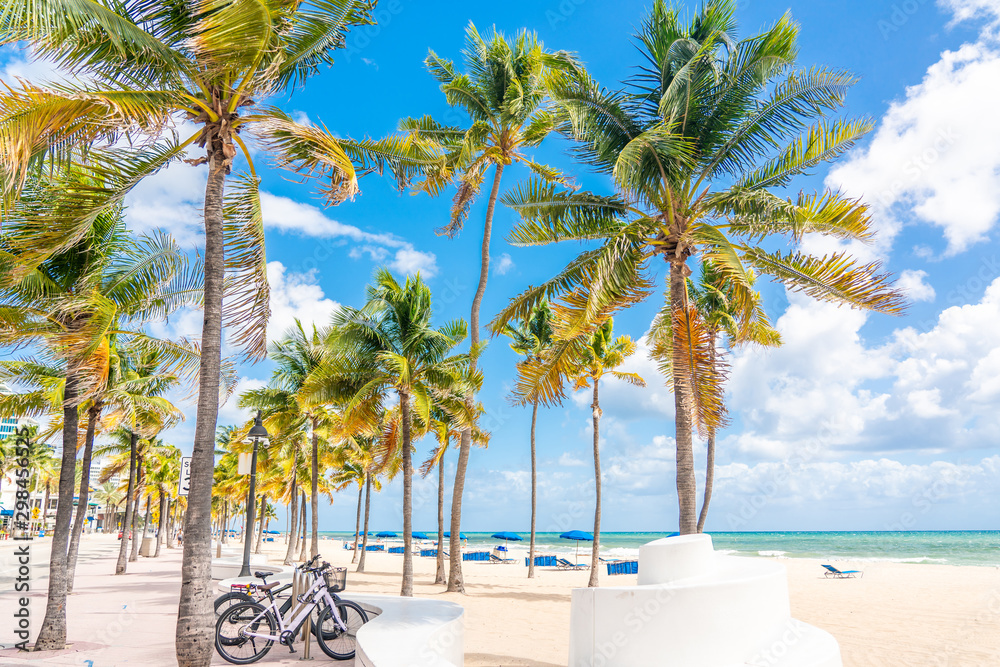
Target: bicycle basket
336,579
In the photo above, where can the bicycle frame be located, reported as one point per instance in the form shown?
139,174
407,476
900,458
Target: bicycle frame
316,594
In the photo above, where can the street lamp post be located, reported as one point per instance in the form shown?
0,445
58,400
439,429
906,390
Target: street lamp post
258,434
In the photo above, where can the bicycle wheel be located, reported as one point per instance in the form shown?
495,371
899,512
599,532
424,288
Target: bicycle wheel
353,615
231,640
227,600
336,643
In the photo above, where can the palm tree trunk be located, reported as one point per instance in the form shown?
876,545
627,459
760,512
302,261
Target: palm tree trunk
129,508
53,633
305,541
139,484
45,505
145,521
407,588
161,526
595,554
364,535
534,492
440,577
84,499
709,461
260,527
172,529
314,486
456,582
357,523
224,539
195,618
683,400
293,522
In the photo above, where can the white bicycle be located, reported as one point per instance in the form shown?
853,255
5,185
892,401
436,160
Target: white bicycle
245,632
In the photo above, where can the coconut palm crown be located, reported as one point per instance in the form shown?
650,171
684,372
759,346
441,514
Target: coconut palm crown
696,145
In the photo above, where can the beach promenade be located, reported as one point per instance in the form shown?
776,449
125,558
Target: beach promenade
899,614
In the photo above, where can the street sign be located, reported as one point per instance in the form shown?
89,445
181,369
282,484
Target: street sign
184,484
243,463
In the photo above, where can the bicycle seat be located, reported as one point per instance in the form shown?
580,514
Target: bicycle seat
262,575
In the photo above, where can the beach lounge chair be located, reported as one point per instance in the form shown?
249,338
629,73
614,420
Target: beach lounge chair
543,561
834,573
623,567
564,564
432,553
496,559
396,550
476,555
375,547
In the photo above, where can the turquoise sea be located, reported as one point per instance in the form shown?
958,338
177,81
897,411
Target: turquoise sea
973,547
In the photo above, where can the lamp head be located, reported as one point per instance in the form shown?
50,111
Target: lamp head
257,432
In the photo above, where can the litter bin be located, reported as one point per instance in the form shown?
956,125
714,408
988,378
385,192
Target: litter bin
146,549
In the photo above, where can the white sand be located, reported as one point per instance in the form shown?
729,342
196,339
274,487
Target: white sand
897,615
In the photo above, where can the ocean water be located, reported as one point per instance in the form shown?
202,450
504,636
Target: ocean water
972,547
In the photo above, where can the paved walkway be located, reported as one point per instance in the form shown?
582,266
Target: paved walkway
113,620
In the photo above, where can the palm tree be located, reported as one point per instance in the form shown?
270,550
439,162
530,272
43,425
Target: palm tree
713,304
164,464
446,427
145,63
532,339
110,496
504,95
599,357
390,345
694,145
68,304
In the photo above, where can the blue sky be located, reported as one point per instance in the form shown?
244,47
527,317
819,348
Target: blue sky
860,422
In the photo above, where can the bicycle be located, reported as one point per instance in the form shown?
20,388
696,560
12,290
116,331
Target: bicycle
246,631
252,592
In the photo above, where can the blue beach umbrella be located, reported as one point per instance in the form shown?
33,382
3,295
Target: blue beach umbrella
506,536
578,536
420,536
386,533
461,536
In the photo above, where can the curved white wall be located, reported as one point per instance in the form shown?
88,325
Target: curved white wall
696,608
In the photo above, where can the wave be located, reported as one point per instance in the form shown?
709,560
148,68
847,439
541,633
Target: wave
774,553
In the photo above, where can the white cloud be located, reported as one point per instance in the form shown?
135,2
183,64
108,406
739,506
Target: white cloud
567,460
926,161
927,391
289,216
914,284
171,200
867,482
503,265
229,413
295,296
409,261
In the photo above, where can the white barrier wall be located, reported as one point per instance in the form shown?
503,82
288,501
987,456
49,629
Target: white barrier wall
693,607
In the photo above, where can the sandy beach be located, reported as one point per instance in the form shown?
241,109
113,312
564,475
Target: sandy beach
897,614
